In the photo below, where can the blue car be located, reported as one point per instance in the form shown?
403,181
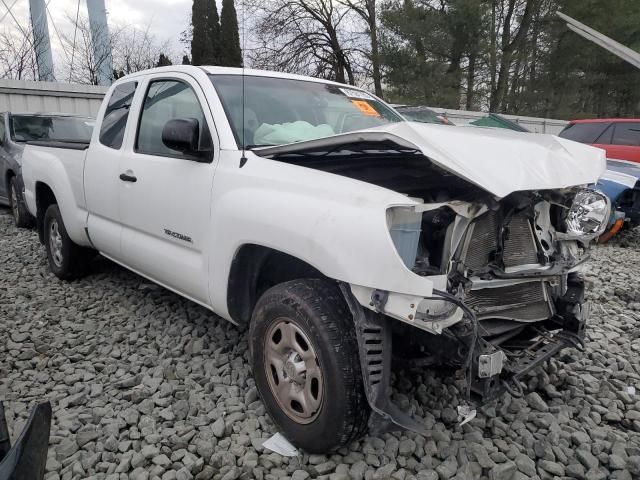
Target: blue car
621,183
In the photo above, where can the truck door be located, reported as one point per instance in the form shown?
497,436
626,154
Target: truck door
165,194
102,170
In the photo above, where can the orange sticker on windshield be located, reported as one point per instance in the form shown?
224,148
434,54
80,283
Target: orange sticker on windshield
365,108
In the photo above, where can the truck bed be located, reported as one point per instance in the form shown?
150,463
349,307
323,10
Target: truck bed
59,166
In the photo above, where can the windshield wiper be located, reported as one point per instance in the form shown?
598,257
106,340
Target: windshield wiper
258,145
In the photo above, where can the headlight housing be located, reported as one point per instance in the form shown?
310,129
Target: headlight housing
589,214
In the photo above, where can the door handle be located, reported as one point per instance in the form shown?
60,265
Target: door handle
128,178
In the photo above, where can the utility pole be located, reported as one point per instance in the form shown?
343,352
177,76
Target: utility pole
41,44
625,53
101,41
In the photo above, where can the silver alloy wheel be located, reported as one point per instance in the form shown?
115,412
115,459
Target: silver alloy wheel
14,202
293,371
55,243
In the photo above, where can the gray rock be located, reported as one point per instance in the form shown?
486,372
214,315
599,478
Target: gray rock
184,474
299,475
575,470
406,447
449,415
384,472
503,471
633,465
139,474
616,462
551,467
586,459
580,438
218,427
536,402
66,448
427,475
325,467
525,465
149,451
85,436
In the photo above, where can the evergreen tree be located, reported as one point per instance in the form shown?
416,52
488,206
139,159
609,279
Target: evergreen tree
200,38
213,33
230,52
186,60
163,61
205,40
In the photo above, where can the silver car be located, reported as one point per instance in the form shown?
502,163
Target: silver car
16,129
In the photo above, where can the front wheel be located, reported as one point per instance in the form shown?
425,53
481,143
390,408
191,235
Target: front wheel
21,215
67,260
305,361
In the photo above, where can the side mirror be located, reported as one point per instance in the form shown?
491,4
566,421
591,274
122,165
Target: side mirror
182,134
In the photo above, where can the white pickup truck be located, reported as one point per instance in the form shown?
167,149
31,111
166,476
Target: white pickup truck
340,233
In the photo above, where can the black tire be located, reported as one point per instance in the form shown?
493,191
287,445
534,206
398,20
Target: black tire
70,261
21,215
317,309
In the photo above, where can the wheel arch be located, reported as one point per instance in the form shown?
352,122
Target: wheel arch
44,198
7,178
254,269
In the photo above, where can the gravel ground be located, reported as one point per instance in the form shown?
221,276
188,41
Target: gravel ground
146,385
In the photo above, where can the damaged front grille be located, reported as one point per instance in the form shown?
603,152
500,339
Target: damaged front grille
526,302
519,246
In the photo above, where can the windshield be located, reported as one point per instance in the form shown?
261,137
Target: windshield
279,110
26,128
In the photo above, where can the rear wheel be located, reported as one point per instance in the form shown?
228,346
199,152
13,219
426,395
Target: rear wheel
21,215
305,361
67,260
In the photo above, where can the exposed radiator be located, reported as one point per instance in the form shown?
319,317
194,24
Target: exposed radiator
481,247
523,302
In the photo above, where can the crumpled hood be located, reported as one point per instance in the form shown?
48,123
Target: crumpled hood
497,160
502,161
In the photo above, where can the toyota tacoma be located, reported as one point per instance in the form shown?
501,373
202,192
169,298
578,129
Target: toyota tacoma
338,232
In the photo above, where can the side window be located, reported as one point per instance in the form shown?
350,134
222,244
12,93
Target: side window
167,100
115,117
627,134
605,138
2,131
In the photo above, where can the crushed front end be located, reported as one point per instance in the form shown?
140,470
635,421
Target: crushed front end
508,291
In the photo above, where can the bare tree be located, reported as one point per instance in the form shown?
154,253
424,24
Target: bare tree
135,50
85,60
515,19
366,9
131,50
304,36
19,55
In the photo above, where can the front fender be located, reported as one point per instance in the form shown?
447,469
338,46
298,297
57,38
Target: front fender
335,224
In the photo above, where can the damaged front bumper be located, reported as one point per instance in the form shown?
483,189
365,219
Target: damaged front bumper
492,365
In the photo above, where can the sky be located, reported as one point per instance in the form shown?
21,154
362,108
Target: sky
165,18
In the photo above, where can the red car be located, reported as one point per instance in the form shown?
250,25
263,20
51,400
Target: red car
619,137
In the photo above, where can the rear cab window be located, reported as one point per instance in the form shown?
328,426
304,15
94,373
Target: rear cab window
584,132
58,128
116,115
